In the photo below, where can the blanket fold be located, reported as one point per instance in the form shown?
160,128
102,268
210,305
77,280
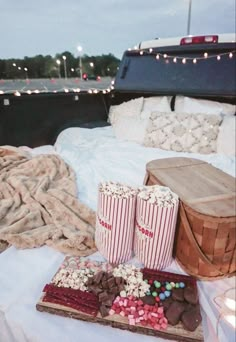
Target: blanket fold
38,204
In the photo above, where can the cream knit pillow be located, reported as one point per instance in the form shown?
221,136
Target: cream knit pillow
183,132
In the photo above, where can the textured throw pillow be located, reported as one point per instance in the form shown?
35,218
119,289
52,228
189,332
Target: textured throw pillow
226,142
131,129
155,103
190,105
183,132
129,108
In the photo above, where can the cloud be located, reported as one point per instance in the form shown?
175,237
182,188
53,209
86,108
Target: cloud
104,26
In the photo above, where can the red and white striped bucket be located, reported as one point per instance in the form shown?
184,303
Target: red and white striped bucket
155,223
115,222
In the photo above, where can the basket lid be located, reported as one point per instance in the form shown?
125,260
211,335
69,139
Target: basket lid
198,184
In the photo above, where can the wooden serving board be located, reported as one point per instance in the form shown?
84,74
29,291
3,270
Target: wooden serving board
177,333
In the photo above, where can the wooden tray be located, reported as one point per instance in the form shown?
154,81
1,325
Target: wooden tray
177,333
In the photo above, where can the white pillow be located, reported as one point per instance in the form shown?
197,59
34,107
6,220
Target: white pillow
190,105
227,138
183,132
155,103
130,128
129,108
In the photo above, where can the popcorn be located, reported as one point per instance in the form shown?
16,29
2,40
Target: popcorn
135,285
160,195
117,190
73,278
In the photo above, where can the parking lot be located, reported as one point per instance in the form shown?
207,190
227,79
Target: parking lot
53,85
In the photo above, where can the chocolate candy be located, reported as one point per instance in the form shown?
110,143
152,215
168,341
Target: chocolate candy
190,295
174,312
150,300
191,319
178,294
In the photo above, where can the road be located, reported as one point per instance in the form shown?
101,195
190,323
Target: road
52,85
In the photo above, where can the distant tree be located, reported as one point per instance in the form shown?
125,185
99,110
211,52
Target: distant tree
46,67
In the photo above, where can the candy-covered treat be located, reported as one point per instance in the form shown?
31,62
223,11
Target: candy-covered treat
191,319
174,312
190,295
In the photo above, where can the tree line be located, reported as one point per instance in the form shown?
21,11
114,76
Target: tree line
62,65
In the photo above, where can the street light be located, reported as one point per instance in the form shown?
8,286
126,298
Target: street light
80,49
189,16
59,67
65,71
26,73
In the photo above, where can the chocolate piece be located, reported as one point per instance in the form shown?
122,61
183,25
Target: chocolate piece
150,300
104,284
98,277
95,289
114,290
111,282
166,303
108,302
174,312
104,310
121,287
89,281
178,294
119,280
103,296
191,319
190,295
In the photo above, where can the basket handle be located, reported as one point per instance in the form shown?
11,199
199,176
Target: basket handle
193,240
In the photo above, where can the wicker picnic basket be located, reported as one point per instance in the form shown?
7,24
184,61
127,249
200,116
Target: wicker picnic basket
205,240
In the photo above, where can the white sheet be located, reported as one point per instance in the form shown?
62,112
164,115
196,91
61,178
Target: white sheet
96,155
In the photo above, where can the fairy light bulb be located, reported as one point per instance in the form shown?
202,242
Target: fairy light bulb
150,50
194,61
157,57
29,92
184,60
175,60
66,90
205,54
218,58
141,53
165,55
1,92
90,91
230,55
17,93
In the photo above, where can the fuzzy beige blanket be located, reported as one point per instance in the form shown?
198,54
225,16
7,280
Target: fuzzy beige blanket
38,204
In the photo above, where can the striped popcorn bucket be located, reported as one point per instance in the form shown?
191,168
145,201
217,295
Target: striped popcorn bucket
155,223
115,222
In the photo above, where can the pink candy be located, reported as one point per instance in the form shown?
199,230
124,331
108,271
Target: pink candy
139,313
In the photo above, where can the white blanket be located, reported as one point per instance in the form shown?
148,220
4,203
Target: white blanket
95,155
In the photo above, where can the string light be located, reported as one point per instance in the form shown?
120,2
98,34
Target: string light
56,91
184,60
